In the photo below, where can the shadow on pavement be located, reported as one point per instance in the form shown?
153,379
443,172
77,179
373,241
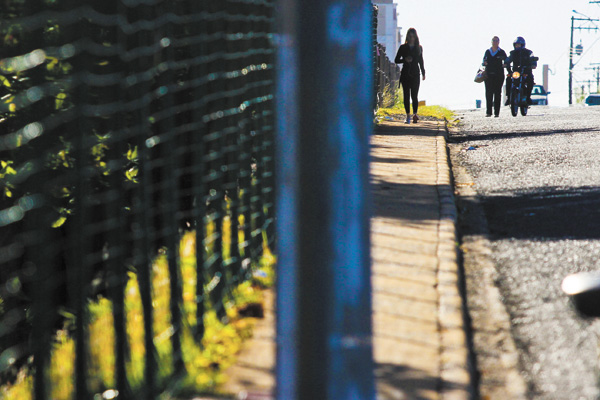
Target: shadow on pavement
510,135
401,382
405,130
390,160
409,201
545,214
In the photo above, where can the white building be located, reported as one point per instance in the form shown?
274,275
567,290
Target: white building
388,32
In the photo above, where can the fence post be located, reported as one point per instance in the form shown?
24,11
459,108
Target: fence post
324,100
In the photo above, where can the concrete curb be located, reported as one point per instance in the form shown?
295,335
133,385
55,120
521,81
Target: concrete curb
455,369
497,363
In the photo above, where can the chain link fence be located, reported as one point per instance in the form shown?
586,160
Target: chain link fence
387,78
136,188
387,73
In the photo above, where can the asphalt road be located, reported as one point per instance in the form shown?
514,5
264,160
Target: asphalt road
538,180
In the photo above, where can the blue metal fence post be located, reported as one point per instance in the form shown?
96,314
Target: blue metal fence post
324,118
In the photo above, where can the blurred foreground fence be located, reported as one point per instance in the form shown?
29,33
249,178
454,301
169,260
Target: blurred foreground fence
136,187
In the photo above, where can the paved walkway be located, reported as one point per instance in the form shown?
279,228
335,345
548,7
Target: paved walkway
420,344
419,340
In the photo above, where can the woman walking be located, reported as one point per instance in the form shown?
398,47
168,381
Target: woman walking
410,54
492,60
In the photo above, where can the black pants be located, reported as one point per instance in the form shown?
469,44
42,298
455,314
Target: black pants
493,93
410,87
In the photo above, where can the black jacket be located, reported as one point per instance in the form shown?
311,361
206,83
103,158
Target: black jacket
520,57
494,63
410,70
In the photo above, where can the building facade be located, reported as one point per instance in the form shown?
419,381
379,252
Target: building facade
388,32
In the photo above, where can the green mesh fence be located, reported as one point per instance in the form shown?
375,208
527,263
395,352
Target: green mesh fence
136,181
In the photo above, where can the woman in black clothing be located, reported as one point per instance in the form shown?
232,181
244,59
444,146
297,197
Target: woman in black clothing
411,55
493,59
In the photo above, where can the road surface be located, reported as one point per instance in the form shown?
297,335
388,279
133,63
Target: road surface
538,184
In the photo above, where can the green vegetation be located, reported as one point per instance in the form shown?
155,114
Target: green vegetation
80,161
396,108
205,364
580,98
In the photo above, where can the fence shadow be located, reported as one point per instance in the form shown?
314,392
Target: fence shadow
408,201
401,382
391,160
400,200
387,129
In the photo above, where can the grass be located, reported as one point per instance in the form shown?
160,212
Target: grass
205,364
437,112
396,109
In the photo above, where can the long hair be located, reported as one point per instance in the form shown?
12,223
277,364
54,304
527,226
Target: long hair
417,42
414,32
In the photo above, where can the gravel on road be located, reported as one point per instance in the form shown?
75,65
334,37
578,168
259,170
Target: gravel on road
537,179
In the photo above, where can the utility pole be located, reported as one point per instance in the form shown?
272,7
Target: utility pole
597,69
579,49
582,84
571,63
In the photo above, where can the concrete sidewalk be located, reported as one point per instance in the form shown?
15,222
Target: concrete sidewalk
419,337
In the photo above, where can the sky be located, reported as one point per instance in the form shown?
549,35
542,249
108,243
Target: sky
455,34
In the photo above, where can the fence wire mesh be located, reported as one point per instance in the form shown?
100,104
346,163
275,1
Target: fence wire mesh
136,187
387,73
